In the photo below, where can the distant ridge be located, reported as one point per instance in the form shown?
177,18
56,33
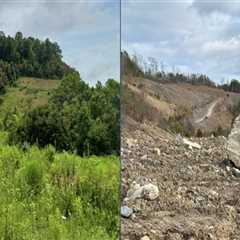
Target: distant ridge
30,57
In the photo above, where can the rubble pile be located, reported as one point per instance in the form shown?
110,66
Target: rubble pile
178,188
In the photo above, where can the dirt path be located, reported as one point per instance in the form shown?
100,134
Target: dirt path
209,111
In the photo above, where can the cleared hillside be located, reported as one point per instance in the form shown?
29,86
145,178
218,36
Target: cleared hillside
174,187
171,104
178,181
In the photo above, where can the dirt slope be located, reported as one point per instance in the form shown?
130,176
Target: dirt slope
199,189
206,108
176,188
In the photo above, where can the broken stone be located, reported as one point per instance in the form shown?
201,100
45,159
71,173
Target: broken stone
233,145
236,172
191,144
145,238
126,211
157,151
148,192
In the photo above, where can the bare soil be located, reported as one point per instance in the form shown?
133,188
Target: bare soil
198,188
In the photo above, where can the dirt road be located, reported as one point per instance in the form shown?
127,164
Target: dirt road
209,111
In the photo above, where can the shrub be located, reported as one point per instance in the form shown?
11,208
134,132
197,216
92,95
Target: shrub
33,176
199,133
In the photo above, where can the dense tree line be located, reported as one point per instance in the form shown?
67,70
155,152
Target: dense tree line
30,57
137,66
8,74
77,118
233,86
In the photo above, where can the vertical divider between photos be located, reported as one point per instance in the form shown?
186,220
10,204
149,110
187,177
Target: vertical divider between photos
121,112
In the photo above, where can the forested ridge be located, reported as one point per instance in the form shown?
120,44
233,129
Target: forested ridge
28,56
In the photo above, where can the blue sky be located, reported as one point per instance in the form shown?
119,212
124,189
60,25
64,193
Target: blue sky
188,36
86,30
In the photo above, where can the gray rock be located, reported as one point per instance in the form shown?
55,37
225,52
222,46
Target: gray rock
145,238
191,144
148,191
233,145
236,172
126,211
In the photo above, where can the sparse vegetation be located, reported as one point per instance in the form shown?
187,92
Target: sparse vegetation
137,66
135,105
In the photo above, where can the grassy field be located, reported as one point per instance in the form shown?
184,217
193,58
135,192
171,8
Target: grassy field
29,93
49,195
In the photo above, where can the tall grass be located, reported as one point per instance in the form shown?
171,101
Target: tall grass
59,196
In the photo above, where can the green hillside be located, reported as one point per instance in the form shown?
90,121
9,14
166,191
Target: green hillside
26,95
34,90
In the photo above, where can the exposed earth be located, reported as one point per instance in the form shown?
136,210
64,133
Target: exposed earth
198,188
206,108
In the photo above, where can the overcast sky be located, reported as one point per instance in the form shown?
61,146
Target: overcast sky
86,30
192,36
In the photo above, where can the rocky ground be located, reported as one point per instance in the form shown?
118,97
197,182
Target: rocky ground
175,188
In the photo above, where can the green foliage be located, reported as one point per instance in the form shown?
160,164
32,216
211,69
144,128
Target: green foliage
77,118
68,197
30,57
33,176
8,74
233,86
176,126
180,124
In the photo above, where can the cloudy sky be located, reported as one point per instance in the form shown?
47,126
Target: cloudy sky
189,35
86,30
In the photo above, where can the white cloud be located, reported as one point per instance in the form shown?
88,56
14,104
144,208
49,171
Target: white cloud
86,30
199,36
222,46
206,7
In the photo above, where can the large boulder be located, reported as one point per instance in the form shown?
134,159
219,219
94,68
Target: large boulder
233,145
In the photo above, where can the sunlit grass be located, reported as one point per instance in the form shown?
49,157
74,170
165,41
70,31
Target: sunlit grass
49,195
